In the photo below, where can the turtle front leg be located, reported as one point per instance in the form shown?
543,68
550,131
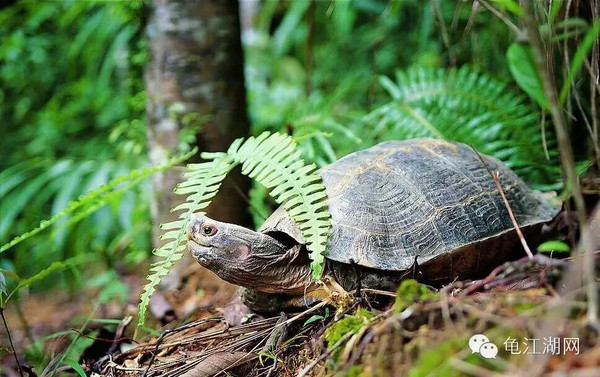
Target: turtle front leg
326,290
262,302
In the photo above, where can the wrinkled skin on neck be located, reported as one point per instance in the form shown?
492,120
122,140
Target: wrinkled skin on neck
244,257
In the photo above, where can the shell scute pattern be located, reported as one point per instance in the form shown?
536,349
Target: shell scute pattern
419,198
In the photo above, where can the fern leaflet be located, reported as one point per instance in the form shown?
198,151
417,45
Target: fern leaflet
466,106
274,161
202,183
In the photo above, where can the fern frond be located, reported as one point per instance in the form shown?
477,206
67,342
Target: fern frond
202,183
274,161
466,106
95,199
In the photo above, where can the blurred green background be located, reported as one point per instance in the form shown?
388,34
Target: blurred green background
339,77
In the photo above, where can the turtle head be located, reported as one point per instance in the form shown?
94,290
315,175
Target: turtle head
251,259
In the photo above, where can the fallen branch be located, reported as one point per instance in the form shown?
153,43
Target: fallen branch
325,355
12,346
513,219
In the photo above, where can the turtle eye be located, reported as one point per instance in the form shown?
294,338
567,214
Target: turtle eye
209,230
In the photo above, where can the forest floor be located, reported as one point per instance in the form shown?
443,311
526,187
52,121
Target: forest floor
526,318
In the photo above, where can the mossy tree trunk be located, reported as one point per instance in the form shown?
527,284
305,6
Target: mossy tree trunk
195,87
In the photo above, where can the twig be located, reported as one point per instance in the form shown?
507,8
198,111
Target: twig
168,332
496,179
12,346
480,283
498,14
567,162
119,333
300,315
374,291
360,349
308,47
436,11
325,355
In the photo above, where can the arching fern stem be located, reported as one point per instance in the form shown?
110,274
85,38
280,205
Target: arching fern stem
274,161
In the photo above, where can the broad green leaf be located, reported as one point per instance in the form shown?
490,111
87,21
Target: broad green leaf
554,246
522,67
581,54
76,367
314,318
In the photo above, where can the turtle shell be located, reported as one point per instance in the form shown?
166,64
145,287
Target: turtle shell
405,201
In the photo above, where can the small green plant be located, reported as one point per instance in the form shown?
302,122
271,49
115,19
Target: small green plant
272,160
554,247
317,317
349,324
409,292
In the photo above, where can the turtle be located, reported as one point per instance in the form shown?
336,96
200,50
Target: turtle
422,208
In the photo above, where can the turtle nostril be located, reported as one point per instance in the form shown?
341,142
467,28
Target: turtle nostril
193,226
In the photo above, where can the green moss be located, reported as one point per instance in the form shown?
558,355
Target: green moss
409,292
523,307
356,371
434,362
350,323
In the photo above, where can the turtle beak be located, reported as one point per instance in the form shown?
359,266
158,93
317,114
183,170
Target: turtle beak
198,243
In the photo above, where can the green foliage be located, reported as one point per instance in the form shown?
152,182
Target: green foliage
409,292
581,54
349,324
76,367
522,66
272,160
202,182
55,266
72,106
317,317
466,106
355,41
86,204
554,247
434,361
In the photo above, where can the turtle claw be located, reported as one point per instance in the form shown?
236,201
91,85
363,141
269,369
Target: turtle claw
336,295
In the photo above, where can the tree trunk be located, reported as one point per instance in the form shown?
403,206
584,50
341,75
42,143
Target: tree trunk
195,88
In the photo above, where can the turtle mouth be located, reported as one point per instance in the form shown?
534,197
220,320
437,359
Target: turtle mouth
200,251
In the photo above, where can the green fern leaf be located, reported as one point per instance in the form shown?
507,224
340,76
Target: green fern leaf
274,161
55,266
467,106
202,182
